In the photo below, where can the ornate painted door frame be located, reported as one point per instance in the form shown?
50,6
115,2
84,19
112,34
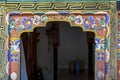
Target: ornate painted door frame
97,17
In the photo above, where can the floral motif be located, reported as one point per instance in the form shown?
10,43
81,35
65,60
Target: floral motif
100,75
44,18
27,22
118,33
21,27
101,41
118,39
97,40
100,46
12,57
102,22
79,20
36,20
12,24
72,18
14,46
13,76
118,56
119,45
88,22
100,56
107,17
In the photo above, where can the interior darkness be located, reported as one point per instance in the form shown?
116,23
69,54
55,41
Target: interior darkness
57,52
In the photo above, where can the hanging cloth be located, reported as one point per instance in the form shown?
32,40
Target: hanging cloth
23,64
53,34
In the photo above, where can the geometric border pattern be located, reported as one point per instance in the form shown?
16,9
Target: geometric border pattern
59,6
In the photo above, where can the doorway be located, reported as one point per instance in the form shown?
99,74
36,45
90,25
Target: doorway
71,57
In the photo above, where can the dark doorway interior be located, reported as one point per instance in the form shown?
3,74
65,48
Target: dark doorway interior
58,52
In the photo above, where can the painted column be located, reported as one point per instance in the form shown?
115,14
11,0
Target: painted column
17,23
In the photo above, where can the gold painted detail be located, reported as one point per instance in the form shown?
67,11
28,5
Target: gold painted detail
2,19
97,22
113,44
3,63
91,6
58,6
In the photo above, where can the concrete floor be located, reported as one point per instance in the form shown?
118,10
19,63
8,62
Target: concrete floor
82,75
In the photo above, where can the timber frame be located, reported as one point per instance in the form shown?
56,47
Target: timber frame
64,11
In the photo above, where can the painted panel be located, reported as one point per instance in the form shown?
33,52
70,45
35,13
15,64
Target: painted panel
97,22
111,6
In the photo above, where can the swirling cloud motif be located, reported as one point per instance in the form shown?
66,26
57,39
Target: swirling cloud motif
27,23
88,22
